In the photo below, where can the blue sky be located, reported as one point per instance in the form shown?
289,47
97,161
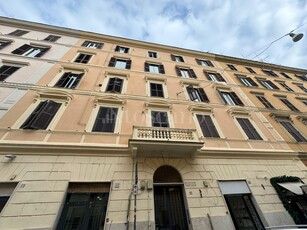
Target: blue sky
230,27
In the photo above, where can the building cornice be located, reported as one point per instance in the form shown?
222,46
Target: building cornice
142,44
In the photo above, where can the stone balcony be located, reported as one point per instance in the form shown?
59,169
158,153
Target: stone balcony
164,142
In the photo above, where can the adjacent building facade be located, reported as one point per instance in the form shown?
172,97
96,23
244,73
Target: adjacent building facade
101,132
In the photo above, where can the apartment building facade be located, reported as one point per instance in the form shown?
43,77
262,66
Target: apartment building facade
104,132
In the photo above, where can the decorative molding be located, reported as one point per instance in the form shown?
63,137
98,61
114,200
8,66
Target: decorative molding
280,95
158,104
201,108
15,62
189,82
235,111
73,67
58,95
86,51
40,45
302,118
256,92
280,116
221,86
110,100
156,78
117,74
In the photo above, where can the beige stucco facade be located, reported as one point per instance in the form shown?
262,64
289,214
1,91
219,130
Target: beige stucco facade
68,151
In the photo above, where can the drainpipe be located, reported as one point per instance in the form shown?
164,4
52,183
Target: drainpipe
128,210
210,221
135,191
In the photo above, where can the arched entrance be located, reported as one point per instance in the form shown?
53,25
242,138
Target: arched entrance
170,208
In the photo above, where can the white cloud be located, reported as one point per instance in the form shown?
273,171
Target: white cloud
234,27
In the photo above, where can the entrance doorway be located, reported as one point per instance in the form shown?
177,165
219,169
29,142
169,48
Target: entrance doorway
170,208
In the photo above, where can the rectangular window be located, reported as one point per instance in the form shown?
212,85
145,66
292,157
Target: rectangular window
269,73
204,62
289,104
197,94
69,80
156,90
85,206
301,77
285,75
122,49
286,87
83,58
6,71
93,45
232,67
177,58
6,190
31,51
250,70
41,117
293,131
249,129
302,88
265,102
4,43
214,77
186,73
207,126
52,38
154,68
231,98
152,54
105,120
120,63
115,85
159,119
268,84
18,33
247,81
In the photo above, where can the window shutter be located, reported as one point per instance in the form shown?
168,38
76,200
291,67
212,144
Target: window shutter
112,62
236,99
85,43
207,126
4,44
146,67
203,95
178,71
190,92
6,71
106,120
62,81
114,85
192,73
207,75
99,46
161,69
219,77
249,129
252,82
117,49
38,109
272,85
294,133
173,57
128,64
42,52
210,63
197,61
43,116
22,49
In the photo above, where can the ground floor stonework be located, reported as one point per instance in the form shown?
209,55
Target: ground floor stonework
98,192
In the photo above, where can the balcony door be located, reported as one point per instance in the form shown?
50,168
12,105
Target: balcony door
170,206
